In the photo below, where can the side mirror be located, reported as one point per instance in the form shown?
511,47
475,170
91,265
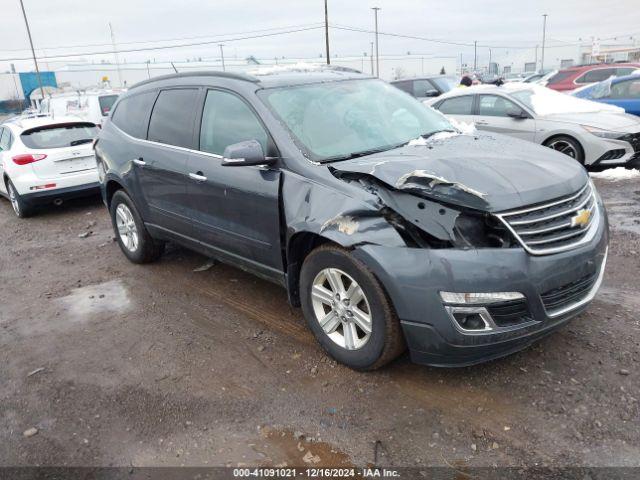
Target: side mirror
517,114
432,93
245,153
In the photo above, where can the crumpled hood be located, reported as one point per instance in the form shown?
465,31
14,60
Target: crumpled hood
484,172
606,120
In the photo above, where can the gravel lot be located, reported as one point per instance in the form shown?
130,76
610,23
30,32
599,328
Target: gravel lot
112,363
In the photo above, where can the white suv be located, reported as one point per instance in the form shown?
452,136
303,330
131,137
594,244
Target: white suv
45,160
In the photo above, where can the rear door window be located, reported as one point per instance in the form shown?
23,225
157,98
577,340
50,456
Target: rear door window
227,119
405,86
106,103
626,89
172,117
462,105
132,114
59,136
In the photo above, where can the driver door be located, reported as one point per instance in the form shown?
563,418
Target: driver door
498,114
234,210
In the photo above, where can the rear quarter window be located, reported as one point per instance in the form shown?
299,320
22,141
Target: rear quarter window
106,103
59,136
132,114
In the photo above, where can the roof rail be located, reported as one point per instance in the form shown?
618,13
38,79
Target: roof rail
208,73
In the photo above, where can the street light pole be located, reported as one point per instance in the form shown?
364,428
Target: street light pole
222,56
326,31
33,52
115,54
544,34
375,11
490,71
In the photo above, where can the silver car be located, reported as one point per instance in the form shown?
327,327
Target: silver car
592,133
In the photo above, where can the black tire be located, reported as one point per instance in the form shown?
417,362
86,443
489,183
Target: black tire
577,148
147,249
20,207
386,341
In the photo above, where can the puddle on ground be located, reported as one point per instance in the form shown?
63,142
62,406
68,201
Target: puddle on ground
85,302
283,448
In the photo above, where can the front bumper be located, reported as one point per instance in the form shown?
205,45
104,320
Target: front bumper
415,277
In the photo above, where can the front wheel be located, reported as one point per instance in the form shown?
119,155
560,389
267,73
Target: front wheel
568,146
133,238
348,311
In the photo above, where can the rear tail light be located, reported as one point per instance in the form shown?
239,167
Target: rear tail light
26,158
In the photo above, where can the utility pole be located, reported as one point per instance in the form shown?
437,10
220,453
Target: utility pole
326,31
475,55
544,34
33,52
372,59
536,57
115,54
490,71
375,11
222,56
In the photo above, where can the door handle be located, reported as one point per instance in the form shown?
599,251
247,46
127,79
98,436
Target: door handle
139,161
198,177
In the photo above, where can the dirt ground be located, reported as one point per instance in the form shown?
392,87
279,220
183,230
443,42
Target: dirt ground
121,364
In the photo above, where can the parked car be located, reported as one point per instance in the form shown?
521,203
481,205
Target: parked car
426,87
592,133
386,224
578,76
623,92
92,106
539,77
46,160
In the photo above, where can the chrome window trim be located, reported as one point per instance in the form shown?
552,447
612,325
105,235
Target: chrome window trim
590,296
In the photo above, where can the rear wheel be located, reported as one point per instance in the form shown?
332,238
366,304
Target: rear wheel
133,238
20,208
567,145
348,311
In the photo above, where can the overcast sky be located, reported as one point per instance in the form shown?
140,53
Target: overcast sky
511,23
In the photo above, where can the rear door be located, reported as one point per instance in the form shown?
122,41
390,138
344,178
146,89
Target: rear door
5,145
161,162
68,148
235,210
459,107
625,94
497,114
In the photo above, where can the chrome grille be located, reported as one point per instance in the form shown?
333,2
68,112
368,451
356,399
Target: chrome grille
554,226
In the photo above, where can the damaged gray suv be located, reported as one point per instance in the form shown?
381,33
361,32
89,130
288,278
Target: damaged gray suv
391,228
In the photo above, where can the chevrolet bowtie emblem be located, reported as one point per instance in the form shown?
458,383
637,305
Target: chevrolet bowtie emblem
581,219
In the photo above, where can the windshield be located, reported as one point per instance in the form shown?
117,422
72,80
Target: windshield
106,103
340,120
59,136
544,101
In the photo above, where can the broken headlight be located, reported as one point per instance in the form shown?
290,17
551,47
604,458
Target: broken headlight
481,230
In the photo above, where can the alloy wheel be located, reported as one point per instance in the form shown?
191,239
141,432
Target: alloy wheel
341,308
127,228
13,198
565,147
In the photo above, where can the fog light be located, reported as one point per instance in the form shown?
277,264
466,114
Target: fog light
471,320
456,298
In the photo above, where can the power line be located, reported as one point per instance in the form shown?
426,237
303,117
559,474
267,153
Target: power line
195,37
163,47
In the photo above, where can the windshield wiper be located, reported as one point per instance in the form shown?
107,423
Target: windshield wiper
80,142
363,153
430,134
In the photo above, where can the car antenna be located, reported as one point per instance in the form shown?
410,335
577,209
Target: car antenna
174,67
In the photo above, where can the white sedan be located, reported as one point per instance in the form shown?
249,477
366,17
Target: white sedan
592,133
45,159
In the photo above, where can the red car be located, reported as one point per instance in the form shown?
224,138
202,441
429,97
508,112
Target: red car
578,76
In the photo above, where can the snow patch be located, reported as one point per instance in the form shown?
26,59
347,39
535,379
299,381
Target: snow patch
616,174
